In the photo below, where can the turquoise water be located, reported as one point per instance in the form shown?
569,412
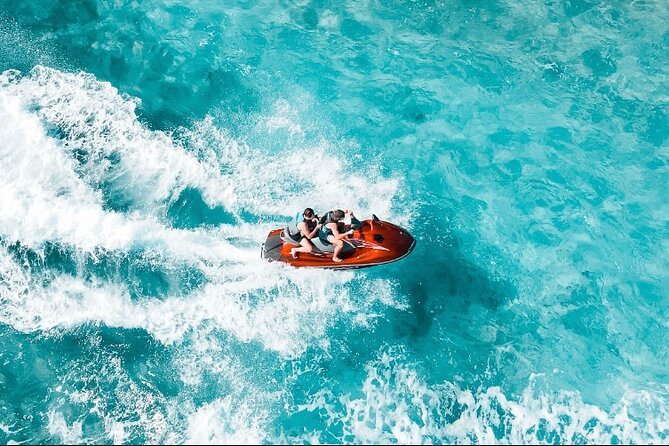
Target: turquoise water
147,148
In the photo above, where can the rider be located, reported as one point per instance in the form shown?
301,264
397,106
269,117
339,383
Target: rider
308,228
329,232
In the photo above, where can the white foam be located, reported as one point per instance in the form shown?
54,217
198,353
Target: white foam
284,118
225,421
154,167
306,175
96,119
42,199
284,309
398,406
100,387
68,434
47,197
130,406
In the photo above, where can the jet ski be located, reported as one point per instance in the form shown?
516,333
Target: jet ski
377,242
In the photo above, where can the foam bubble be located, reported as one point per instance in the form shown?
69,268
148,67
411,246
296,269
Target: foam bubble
42,199
225,421
284,118
284,309
68,434
398,406
98,389
99,127
305,175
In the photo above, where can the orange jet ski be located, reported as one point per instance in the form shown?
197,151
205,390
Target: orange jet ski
375,243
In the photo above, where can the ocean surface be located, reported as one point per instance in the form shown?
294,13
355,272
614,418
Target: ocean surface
148,147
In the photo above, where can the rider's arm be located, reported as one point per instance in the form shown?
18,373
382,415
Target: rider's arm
338,235
304,231
314,232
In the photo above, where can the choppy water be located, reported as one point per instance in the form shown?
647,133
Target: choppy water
146,149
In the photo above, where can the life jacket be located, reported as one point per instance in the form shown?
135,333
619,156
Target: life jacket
328,217
295,232
311,223
325,231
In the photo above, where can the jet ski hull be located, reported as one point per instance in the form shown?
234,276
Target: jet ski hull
376,243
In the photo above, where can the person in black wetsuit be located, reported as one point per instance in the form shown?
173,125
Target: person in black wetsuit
329,231
308,228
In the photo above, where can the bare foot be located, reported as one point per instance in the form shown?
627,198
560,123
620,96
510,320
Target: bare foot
293,254
336,259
